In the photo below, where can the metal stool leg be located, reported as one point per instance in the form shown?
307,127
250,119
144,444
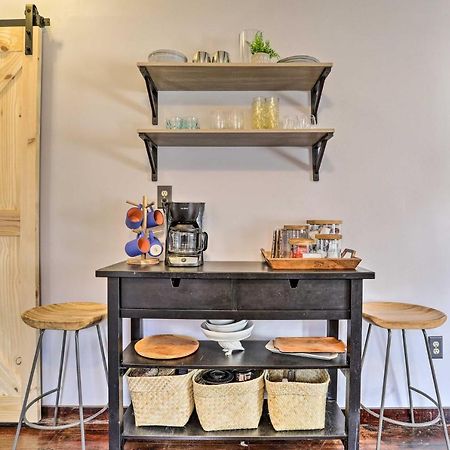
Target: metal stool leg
408,377
436,389
80,395
102,351
61,365
369,330
383,393
27,392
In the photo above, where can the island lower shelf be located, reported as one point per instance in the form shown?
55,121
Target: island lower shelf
334,429
255,356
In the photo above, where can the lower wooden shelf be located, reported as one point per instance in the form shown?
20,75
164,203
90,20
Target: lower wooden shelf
334,429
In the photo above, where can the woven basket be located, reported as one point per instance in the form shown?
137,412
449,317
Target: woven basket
233,406
299,404
161,400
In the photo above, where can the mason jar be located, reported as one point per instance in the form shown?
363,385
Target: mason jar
329,245
320,226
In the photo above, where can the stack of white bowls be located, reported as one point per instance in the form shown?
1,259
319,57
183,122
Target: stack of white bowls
228,333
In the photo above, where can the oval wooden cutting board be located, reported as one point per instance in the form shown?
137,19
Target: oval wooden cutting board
166,346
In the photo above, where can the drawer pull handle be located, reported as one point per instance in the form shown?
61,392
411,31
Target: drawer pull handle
293,283
175,282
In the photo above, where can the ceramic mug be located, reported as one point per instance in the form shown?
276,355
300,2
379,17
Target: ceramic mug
154,218
134,217
155,248
138,246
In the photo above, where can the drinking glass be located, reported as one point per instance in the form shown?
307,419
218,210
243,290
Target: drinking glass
236,120
245,39
218,120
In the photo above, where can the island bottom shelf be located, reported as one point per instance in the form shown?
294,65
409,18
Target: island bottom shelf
334,429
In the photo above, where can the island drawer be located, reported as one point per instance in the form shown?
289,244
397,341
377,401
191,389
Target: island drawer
175,293
293,294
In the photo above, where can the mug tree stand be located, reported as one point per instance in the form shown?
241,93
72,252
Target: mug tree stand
144,259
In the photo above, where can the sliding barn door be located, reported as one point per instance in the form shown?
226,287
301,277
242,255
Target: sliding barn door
20,86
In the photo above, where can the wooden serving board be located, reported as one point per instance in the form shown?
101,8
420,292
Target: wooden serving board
166,346
309,345
310,263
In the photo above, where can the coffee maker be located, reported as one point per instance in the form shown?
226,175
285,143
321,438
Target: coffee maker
185,241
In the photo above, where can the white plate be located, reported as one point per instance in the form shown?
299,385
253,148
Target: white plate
221,321
325,356
233,336
227,328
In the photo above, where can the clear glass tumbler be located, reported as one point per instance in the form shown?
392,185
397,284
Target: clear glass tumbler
258,113
245,39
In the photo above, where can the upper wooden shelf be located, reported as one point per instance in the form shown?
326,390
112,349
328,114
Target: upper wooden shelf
234,76
236,138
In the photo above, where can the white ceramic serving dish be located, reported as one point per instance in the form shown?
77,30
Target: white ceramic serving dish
165,55
221,321
232,336
227,328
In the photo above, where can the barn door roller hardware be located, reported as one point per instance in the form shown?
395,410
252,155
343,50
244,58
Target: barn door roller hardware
32,19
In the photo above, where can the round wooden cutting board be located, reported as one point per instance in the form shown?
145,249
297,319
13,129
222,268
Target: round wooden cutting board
166,346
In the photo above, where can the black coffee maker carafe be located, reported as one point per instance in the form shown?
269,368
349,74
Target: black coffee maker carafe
186,241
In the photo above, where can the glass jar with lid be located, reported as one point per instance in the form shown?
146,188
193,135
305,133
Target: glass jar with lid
299,246
321,226
329,245
292,232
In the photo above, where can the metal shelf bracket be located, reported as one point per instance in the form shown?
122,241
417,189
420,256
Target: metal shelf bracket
152,153
152,94
32,19
316,91
318,150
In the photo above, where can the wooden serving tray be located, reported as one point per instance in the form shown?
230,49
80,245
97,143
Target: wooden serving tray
309,345
311,263
166,346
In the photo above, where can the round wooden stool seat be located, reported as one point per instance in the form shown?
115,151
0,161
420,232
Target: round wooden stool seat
402,316
70,316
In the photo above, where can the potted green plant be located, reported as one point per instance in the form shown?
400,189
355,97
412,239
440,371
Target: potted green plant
261,50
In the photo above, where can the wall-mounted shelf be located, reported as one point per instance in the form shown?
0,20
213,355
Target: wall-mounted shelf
234,77
316,138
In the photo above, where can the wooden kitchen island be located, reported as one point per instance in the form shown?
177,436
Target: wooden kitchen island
234,290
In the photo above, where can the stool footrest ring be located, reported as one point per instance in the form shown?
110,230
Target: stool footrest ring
409,424
57,427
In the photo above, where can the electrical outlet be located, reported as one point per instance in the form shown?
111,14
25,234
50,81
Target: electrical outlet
436,346
164,195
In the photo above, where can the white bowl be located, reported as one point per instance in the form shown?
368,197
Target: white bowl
232,336
227,328
221,321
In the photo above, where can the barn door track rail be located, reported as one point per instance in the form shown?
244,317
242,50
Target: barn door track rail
32,19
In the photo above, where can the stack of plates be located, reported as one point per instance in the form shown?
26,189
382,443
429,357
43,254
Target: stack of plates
299,59
172,56
228,333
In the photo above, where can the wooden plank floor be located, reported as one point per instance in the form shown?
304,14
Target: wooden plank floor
97,439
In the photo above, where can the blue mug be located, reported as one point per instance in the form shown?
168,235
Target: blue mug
156,247
154,218
138,246
134,218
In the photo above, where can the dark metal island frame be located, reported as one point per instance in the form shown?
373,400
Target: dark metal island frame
235,290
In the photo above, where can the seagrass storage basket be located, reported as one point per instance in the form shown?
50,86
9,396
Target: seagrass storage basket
165,399
232,406
299,404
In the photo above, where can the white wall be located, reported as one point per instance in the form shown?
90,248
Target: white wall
385,172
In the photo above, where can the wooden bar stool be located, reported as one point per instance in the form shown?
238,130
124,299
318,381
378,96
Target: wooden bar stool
405,316
74,316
